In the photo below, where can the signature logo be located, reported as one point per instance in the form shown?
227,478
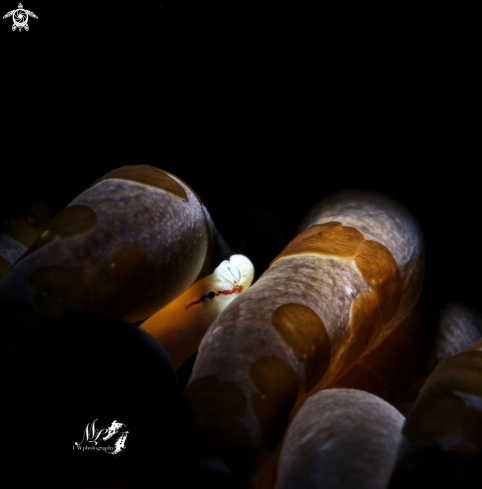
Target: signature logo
20,17
91,441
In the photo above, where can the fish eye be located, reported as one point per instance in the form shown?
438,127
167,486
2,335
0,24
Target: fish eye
211,295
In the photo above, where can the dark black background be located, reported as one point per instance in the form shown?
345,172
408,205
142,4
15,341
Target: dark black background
262,108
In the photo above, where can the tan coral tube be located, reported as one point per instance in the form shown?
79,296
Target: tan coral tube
127,246
340,439
458,327
333,294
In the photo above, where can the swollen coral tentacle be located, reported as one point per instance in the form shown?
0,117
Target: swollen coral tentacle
458,327
127,246
340,439
331,296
